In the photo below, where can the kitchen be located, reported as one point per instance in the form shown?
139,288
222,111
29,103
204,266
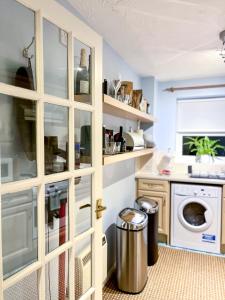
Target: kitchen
52,168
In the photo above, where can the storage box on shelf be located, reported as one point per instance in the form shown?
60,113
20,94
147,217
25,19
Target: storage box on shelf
159,191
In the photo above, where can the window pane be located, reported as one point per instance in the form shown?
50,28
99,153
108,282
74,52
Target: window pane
26,289
186,150
56,278
83,143
55,60
17,138
82,72
83,267
16,33
56,138
56,215
83,204
19,230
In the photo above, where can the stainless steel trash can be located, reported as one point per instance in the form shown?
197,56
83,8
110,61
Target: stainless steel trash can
151,208
131,261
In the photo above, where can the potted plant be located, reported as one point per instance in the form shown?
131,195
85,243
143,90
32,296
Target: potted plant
204,148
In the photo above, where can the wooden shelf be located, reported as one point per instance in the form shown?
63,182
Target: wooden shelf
111,159
117,108
83,98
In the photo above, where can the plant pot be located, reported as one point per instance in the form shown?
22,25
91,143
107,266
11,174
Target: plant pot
204,159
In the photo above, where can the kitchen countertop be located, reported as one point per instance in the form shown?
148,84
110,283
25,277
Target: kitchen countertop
177,177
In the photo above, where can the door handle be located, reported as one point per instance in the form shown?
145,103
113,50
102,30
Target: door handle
99,208
84,206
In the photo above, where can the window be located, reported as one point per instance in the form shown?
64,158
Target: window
200,118
187,151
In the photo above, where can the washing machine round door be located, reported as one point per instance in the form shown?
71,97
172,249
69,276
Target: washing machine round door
195,214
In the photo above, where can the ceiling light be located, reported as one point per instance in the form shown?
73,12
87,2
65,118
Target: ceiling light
222,50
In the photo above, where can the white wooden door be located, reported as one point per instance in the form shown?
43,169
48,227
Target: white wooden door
51,154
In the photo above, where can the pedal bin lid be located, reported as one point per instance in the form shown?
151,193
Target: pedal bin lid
132,219
147,205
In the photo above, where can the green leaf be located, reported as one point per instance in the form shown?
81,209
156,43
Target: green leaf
203,145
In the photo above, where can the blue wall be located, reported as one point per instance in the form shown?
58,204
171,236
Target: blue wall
118,179
165,110
114,64
148,86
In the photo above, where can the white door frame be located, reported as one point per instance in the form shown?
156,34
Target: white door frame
75,28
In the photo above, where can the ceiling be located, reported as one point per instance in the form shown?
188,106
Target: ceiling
170,39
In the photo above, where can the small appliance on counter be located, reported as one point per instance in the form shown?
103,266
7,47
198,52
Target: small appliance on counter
134,140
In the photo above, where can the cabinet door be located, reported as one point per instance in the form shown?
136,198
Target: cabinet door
162,200
153,185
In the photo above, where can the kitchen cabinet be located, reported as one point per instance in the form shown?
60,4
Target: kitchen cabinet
158,191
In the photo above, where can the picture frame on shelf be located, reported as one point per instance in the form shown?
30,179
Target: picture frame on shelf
125,92
136,98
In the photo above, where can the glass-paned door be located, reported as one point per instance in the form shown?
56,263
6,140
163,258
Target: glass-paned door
50,154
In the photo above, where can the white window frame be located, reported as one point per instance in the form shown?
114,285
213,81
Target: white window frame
189,159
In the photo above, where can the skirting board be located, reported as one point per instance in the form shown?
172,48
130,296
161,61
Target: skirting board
110,273
162,238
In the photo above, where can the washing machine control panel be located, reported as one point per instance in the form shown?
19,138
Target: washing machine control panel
197,190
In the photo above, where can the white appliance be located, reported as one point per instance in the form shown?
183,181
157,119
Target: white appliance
134,140
83,269
196,217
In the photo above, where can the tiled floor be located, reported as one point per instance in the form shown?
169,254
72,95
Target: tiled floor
179,275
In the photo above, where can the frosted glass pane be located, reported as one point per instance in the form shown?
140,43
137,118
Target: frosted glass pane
56,278
26,289
82,72
17,138
83,204
56,138
56,215
83,263
83,143
201,115
19,230
55,60
16,32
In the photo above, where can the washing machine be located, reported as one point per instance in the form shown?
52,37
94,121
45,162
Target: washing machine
196,217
